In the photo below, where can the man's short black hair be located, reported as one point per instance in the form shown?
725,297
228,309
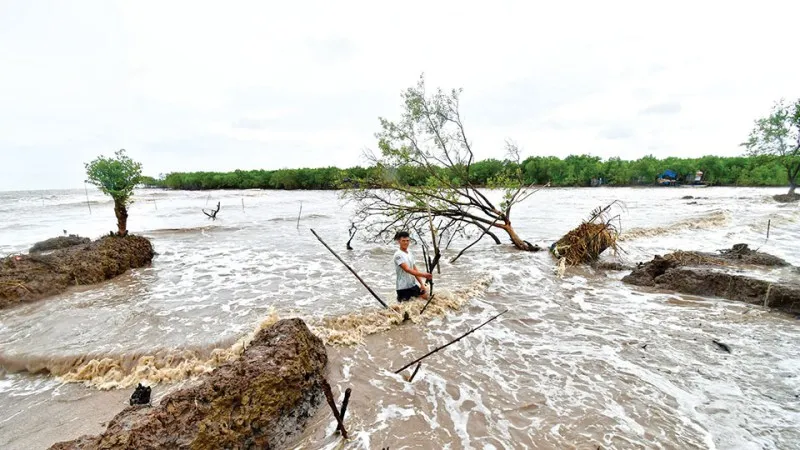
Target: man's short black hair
401,234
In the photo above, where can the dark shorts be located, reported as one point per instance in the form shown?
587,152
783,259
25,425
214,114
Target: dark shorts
406,294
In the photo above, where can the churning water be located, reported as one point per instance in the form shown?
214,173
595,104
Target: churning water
565,367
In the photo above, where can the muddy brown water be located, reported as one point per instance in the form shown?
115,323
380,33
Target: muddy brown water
578,362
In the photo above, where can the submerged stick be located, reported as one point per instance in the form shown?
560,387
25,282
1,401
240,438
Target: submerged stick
243,204
769,222
449,343
329,396
343,410
415,372
377,297
298,214
86,189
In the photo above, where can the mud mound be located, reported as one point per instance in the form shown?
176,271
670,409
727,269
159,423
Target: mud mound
31,277
58,242
256,401
786,198
694,273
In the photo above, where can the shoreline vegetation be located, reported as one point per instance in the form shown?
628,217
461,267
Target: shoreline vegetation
572,171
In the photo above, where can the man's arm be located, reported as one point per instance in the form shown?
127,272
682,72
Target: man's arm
416,273
420,280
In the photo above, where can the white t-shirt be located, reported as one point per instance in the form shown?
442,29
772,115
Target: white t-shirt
404,279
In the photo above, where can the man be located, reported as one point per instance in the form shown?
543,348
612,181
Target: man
407,274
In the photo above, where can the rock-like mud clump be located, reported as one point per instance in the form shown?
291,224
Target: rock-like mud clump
58,242
786,198
34,276
698,273
254,402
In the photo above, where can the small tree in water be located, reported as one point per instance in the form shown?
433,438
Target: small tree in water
116,177
778,136
430,138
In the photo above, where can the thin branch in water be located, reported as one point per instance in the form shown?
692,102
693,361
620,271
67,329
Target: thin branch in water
299,213
442,347
212,214
329,397
352,230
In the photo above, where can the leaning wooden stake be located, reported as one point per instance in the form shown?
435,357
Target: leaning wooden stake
90,206
377,297
343,409
416,369
329,396
448,344
298,214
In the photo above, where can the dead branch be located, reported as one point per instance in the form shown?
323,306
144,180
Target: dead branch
352,230
449,343
211,213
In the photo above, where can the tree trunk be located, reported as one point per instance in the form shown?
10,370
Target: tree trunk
515,239
122,217
792,187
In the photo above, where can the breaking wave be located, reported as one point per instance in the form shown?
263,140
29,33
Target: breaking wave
712,220
162,366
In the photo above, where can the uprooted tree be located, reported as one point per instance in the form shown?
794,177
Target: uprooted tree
778,136
116,177
430,138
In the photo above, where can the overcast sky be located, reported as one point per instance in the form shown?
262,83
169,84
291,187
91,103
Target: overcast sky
224,85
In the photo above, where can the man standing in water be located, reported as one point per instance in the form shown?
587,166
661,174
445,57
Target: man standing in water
407,274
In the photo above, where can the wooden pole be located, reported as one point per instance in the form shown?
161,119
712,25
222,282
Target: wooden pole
329,396
343,410
448,344
415,372
769,222
85,189
377,297
298,215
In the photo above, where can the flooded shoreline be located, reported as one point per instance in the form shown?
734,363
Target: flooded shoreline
564,368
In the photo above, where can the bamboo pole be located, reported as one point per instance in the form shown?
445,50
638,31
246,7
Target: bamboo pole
448,344
377,297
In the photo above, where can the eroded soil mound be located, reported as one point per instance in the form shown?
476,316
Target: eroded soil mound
786,198
58,242
254,402
699,273
31,277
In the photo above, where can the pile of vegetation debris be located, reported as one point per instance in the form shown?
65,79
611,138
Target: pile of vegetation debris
34,276
700,273
585,243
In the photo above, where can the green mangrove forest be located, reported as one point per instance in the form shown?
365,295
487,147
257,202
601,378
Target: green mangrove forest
572,171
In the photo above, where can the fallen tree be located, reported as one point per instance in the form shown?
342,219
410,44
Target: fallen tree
704,274
256,401
34,276
430,139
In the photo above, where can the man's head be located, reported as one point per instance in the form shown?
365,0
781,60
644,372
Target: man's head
403,239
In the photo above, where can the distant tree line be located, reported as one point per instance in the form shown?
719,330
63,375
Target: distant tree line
574,170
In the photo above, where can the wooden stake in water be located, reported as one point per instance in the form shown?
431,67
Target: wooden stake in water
298,215
242,204
86,189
